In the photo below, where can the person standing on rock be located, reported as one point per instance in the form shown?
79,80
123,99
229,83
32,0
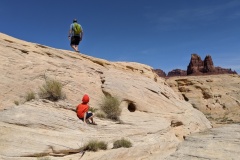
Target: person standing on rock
82,111
75,35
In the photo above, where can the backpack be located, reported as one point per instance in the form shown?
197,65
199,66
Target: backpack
77,29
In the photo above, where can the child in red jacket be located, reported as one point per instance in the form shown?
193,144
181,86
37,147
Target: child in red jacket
82,111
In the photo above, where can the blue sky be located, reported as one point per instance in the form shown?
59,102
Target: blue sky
159,33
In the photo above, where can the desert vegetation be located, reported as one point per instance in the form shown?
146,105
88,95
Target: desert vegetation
101,115
110,107
16,102
29,96
51,90
95,145
122,143
92,109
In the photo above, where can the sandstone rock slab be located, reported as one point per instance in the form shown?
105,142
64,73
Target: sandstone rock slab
218,143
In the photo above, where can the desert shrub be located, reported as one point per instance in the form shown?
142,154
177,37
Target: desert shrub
51,90
92,109
102,145
29,96
100,115
16,103
122,143
95,145
110,106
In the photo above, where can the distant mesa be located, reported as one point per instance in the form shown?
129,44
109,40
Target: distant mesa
160,72
206,67
177,72
197,67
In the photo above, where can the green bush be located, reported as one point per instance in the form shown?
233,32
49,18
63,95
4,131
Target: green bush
122,143
100,115
95,145
29,96
110,106
102,145
51,90
92,109
16,103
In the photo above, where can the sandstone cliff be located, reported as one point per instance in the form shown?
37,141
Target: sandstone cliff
205,67
197,67
177,72
155,117
159,122
160,72
217,96
218,143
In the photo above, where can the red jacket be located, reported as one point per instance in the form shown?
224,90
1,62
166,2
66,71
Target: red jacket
81,109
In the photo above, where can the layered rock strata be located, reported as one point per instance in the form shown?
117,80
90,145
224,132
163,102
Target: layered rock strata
154,118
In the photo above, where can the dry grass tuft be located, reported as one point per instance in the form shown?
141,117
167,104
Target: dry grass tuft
95,145
29,96
110,106
122,143
51,90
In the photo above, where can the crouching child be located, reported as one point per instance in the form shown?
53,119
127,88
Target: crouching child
82,111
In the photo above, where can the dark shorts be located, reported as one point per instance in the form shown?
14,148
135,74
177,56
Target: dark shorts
75,40
88,115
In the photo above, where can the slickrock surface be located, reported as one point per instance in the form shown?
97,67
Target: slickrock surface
218,143
154,118
217,96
